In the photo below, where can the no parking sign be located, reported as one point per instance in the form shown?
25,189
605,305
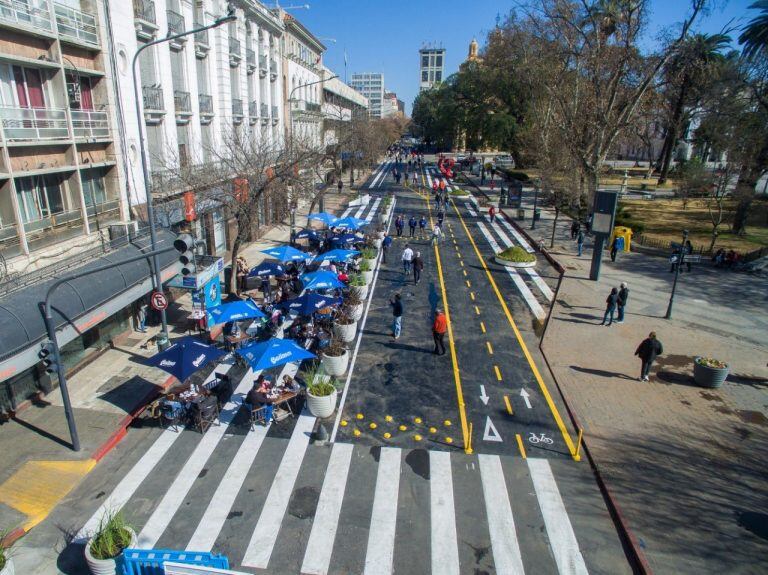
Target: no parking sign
158,301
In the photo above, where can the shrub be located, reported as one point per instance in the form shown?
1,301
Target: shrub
516,175
368,253
318,383
111,538
458,192
353,298
711,362
335,348
357,280
321,389
516,254
365,266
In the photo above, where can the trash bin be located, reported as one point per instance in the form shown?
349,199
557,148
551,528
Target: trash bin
536,215
625,236
520,214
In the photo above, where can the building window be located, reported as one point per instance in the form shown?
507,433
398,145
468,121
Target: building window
438,76
424,76
80,93
424,61
438,61
39,197
94,188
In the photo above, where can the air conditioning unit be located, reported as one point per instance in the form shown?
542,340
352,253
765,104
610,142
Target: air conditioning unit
123,230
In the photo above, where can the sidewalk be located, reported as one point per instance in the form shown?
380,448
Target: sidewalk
686,465
39,468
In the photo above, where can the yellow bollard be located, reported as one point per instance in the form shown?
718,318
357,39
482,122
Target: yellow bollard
468,442
578,445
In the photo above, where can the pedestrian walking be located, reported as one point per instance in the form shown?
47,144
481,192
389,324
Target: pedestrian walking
340,184
492,213
397,314
688,250
610,306
440,217
141,318
418,265
621,301
407,258
405,177
399,224
412,223
434,187
574,229
614,248
422,227
439,327
385,243
437,234
580,241
648,350
442,185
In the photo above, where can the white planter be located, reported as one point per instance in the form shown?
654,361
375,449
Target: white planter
345,332
322,406
8,569
335,365
377,243
510,264
356,312
368,276
104,566
371,262
362,290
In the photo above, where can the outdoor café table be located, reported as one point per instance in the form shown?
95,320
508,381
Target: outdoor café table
233,341
194,320
283,400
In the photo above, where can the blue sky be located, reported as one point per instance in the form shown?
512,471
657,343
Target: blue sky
381,36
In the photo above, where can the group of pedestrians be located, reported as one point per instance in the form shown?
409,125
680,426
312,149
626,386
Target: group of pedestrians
412,262
617,299
413,224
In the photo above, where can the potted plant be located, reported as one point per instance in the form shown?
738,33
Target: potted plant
369,254
321,393
516,257
354,304
709,372
366,270
107,544
345,327
358,281
335,357
6,563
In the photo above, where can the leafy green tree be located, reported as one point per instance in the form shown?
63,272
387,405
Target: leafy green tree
754,35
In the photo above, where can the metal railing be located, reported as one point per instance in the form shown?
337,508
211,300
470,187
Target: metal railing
234,47
201,37
237,108
153,97
90,123
76,24
264,111
33,123
175,22
21,12
182,101
253,109
144,10
206,104
250,57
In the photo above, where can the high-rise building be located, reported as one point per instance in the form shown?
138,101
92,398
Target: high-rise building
431,66
370,85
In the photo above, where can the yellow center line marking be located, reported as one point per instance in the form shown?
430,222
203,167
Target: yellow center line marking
477,310
520,445
490,349
508,404
465,273
468,284
461,263
482,326
451,344
498,372
472,295
519,337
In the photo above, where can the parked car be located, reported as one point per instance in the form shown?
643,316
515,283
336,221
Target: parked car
504,161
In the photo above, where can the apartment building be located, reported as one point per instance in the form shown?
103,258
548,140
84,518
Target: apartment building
341,104
431,66
60,173
370,85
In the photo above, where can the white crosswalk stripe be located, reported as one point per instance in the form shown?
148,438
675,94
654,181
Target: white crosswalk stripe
381,535
374,207
518,236
445,547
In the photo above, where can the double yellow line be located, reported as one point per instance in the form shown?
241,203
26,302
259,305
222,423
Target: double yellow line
528,357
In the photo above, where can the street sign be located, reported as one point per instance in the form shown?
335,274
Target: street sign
158,301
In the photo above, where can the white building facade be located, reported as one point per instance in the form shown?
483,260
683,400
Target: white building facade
341,103
431,67
371,86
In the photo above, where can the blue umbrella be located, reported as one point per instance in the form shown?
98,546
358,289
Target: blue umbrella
185,357
265,269
350,222
345,239
285,254
321,280
309,303
306,234
337,255
325,217
235,311
274,352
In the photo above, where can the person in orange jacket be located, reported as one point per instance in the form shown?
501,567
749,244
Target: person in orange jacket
439,327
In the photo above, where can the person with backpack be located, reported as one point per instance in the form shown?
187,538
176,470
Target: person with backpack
385,243
648,350
610,306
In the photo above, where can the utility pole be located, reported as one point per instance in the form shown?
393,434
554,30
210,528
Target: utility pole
678,265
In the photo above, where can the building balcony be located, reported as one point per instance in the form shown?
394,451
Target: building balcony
76,26
202,46
264,114
237,111
154,107
206,108
182,104
21,13
176,26
234,52
91,124
272,70
250,60
262,66
307,111
29,124
253,112
145,19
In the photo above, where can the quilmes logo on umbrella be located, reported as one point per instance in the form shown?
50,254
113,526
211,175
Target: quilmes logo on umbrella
167,363
280,356
198,360
320,304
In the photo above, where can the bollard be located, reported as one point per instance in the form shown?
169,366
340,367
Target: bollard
322,433
468,443
578,444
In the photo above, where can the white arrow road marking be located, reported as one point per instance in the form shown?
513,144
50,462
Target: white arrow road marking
491,433
526,398
483,397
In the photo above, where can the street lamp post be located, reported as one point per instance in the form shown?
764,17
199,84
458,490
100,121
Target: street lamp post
535,203
678,265
157,282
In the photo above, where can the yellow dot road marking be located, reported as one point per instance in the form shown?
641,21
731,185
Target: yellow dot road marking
490,349
498,372
482,327
472,295
535,370
461,264
465,273
477,310
520,445
508,404
468,283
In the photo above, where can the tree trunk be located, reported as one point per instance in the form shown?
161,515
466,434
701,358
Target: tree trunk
317,197
670,142
554,228
232,287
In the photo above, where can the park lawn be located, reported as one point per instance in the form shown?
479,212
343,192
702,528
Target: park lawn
666,220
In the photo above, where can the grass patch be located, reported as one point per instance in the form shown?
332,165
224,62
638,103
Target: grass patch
458,192
516,254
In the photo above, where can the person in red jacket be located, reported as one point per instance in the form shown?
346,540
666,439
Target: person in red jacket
492,213
439,327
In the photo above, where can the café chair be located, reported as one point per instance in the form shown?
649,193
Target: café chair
171,414
205,413
261,414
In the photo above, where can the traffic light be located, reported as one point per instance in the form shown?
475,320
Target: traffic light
185,245
47,355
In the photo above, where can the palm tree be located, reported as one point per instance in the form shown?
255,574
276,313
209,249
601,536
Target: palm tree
754,35
690,69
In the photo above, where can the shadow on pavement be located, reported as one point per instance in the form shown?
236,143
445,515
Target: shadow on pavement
601,373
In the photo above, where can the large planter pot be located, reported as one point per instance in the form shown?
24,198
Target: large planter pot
322,406
104,566
368,276
377,243
510,264
356,312
8,568
363,290
335,365
711,377
345,332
